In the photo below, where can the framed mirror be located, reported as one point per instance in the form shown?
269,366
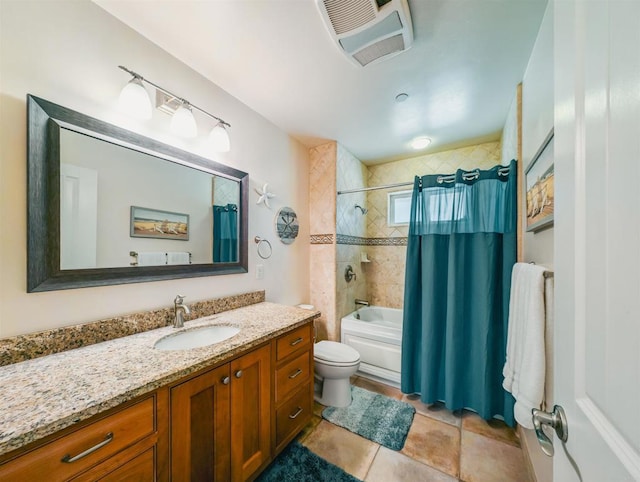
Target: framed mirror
108,206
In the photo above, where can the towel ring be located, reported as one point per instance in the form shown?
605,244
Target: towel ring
264,247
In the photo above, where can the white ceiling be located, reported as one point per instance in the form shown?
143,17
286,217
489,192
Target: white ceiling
277,57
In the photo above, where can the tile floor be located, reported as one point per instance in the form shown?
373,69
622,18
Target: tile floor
441,446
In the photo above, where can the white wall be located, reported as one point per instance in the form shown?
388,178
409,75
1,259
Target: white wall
537,121
68,52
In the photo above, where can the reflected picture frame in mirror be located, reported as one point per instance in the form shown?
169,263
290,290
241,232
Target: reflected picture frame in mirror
46,121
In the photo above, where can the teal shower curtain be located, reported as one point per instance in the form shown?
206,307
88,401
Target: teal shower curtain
225,233
461,249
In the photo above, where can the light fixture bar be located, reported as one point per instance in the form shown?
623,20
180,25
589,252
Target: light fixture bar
184,101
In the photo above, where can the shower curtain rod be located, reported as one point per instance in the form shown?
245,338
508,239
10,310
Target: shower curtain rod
503,171
375,188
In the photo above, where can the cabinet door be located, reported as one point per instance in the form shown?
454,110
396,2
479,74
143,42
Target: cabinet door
200,428
250,413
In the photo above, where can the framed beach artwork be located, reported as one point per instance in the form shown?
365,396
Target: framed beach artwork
540,187
153,223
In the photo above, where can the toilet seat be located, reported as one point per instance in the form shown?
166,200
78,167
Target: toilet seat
335,354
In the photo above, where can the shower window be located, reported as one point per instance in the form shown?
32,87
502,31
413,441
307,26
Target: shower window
398,208
442,205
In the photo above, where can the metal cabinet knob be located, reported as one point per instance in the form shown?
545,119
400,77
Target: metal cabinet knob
226,380
238,373
557,420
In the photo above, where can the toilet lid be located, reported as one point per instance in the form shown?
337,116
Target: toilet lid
332,351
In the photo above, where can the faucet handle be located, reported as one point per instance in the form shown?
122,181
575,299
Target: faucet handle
179,299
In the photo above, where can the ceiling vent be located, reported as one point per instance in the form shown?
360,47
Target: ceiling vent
368,31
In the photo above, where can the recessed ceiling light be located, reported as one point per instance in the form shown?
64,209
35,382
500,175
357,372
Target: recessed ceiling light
420,142
402,97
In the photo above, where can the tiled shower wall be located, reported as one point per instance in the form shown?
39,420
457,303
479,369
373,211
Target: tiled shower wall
351,227
322,224
385,273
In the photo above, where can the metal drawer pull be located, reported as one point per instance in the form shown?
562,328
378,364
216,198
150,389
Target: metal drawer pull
295,415
296,341
238,373
295,374
67,459
226,380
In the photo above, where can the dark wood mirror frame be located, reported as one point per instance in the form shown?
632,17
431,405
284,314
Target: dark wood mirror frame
45,119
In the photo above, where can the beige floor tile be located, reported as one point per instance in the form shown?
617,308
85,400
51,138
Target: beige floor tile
434,443
377,387
309,428
494,428
434,410
392,466
487,460
347,450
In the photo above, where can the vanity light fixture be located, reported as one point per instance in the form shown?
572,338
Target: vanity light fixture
183,123
134,99
219,138
420,142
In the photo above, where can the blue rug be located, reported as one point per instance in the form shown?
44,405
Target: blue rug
298,464
379,418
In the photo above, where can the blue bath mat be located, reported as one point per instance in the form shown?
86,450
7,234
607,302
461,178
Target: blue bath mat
298,464
379,418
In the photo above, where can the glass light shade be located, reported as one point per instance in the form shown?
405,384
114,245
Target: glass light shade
183,123
134,100
219,138
420,142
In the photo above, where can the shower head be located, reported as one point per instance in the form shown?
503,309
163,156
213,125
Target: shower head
363,210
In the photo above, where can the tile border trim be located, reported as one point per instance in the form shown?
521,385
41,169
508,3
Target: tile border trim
359,241
322,239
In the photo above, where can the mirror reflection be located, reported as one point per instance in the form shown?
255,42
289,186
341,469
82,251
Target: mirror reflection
121,207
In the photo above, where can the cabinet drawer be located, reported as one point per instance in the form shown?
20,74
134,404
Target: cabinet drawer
294,414
140,469
108,436
295,340
292,375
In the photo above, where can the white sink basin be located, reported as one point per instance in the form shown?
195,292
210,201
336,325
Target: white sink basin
196,338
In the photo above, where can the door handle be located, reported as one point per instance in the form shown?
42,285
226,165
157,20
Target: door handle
557,420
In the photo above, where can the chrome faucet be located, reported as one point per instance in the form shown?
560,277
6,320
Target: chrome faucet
180,310
360,303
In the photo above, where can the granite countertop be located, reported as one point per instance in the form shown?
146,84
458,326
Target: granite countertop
44,395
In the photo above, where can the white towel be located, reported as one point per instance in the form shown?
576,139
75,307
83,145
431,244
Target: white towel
177,257
524,368
152,258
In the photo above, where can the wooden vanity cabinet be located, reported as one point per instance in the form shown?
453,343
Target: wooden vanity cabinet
220,421
229,422
200,427
293,384
225,424
127,443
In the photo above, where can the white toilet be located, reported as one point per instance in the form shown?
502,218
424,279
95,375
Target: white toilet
334,364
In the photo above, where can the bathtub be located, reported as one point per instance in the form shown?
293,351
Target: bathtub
376,333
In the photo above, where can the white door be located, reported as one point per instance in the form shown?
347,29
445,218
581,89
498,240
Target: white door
597,238
78,217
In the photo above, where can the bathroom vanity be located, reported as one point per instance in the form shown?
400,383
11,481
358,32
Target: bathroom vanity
124,410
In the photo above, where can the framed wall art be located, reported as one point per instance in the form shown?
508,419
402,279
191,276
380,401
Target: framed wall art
540,193
153,223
